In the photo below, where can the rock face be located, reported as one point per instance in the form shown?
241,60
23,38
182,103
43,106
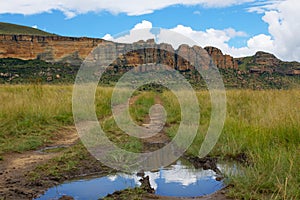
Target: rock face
266,59
263,62
184,59
48,48
75,50
220,60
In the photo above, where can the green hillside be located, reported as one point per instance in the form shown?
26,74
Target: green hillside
6,28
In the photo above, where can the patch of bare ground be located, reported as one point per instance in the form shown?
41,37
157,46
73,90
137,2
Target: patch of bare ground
15,167
144,195
219,195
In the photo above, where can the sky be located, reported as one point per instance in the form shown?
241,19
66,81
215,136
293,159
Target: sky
237,27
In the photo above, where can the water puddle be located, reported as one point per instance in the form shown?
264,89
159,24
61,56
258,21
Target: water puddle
177,180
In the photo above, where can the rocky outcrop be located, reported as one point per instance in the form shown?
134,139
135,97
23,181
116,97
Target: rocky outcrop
183,59
74,50
263,62
220,60
265,59
48,48
294,72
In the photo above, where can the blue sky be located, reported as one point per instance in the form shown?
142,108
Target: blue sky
236,27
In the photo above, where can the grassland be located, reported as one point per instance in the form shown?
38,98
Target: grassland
31,113
262,130
7,28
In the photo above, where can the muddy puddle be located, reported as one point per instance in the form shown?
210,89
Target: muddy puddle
178,180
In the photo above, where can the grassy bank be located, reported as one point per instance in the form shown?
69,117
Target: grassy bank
262,130
30,114
265,126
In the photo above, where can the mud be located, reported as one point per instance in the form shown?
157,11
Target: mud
15,167
220,195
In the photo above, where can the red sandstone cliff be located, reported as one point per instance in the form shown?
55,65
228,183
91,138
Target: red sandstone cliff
48,48
221,60
74,50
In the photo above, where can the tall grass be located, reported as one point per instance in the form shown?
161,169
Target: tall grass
265,127
29,114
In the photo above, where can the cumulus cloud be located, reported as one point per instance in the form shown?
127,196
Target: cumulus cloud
141,31
284,26
108,37
186,35
283,22
283,39
282,17
143,24
34,26
210,37
71,8
221,38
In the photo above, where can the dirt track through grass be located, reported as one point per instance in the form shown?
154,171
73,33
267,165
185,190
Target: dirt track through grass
264,126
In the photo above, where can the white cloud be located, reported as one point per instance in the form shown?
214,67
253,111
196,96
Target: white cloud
108,37
263,5
283,39
204,38
197,12
143,24
186,35
34,26
233,33
282,18
72,8
261,42
221,38
141,31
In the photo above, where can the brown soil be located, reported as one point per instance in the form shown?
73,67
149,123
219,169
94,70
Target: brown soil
126,194
15,166
220,195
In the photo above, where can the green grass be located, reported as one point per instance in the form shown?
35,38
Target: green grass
7,28
266,126
30,114
141,106
262,125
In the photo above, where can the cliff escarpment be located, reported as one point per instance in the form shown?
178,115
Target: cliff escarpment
74,50
47,48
